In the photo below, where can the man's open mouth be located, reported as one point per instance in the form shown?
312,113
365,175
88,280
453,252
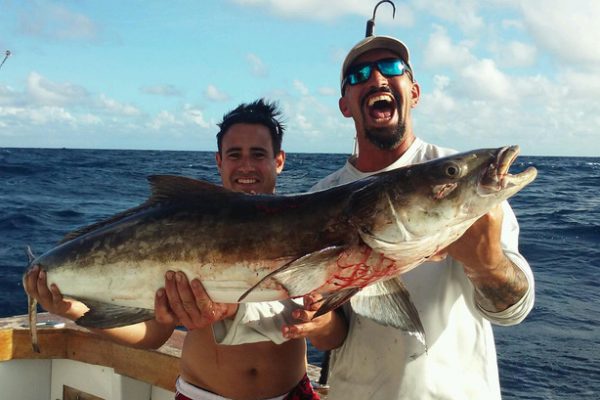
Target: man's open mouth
381,107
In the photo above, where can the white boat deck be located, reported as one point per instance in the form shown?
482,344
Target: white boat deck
74,363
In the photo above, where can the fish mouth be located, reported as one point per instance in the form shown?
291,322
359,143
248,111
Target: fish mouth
380,105
496,178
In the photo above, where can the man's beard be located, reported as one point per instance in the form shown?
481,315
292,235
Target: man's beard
386,138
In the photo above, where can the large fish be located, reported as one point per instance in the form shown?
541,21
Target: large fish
264,247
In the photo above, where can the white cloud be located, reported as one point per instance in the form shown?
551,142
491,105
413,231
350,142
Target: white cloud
463,13
328,91
568,29
483,80
163,119
195,116
213,93
516,54
53,21
257,67
115,107
441,52
300,87
44,91
582,85
162,90
439,101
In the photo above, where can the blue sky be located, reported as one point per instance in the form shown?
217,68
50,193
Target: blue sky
160,75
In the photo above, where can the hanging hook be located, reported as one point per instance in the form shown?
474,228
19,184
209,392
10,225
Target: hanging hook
6,55
371,22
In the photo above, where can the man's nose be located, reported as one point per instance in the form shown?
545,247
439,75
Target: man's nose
246,164
377,78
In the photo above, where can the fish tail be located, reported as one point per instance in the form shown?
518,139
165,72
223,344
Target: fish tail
33,323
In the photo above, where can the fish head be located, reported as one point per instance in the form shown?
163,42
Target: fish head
431,204
467,185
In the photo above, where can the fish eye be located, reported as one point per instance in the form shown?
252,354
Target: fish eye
452,170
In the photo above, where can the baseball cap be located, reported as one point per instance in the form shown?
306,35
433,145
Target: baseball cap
376,42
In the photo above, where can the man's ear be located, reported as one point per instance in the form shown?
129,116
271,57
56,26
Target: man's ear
218,160
343,104
279,161
415,92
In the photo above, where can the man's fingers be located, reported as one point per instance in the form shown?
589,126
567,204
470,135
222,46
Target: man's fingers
303,315
175,301
313,301
162,311
57,297
185,293
298,330
31,281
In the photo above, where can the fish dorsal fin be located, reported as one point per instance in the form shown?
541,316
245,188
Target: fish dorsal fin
173,187
165,188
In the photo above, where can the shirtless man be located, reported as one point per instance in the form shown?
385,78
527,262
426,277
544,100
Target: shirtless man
249,159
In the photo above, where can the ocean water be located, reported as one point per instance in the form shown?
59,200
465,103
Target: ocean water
553,354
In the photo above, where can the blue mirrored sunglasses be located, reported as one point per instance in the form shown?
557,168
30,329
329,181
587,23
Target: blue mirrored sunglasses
360,73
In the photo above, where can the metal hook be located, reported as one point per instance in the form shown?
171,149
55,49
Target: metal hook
371,22
6,55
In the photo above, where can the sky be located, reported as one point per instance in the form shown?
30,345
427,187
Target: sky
160,74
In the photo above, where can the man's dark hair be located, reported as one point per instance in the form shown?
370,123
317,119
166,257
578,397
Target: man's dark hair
258,112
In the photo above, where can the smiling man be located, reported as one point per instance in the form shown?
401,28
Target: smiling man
483,280
249,157
213,366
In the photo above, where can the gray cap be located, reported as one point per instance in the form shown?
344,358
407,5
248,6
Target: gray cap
376,42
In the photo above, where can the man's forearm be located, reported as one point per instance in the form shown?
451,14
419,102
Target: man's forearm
143,335
498,288
332,334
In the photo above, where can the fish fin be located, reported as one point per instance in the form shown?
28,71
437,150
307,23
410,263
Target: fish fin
334,300
171,187
32,316
106,315
388,303
165,188
302,275
31,309
30,255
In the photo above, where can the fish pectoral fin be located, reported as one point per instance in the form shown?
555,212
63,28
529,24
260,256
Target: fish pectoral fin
30,255
106,315
302,275
388,303
334,300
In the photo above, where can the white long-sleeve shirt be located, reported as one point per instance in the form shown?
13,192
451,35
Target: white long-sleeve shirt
375,361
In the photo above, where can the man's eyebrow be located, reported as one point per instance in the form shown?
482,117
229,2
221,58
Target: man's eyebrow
233,149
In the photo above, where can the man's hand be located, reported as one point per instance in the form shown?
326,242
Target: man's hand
499,283
182,303
50,298
479,248
325,332
307,325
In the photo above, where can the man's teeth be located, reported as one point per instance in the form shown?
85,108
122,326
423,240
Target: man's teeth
246,181
382,97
